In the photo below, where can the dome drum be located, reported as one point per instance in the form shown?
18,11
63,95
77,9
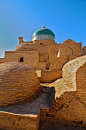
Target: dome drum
41,37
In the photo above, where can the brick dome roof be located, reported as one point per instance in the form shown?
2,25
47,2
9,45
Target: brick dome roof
26,47
18,82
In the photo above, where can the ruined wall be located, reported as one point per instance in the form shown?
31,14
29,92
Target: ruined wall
66,110
31,58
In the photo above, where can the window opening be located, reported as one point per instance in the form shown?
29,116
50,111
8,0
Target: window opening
21,59
40,43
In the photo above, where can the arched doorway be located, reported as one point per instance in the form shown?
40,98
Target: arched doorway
21,59
69,51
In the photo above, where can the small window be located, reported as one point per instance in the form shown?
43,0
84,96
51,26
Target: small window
21,59
40,43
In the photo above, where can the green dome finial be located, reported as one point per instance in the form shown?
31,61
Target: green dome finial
43,26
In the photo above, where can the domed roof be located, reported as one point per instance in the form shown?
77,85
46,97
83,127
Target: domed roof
26,47
18,82
43,33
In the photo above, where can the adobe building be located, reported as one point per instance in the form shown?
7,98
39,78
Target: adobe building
25,101
44,54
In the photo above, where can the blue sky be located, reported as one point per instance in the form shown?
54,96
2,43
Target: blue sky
66,18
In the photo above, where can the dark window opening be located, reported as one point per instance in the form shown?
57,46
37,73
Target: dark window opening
40,43
21,59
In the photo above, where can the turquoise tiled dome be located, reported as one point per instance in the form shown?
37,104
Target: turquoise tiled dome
43,33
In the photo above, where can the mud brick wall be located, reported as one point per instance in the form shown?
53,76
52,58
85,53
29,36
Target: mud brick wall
50,75
58,63
70,107
30,58
54,55
70,69
42,65
11,121
68,50
81,83
70,47
69,75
